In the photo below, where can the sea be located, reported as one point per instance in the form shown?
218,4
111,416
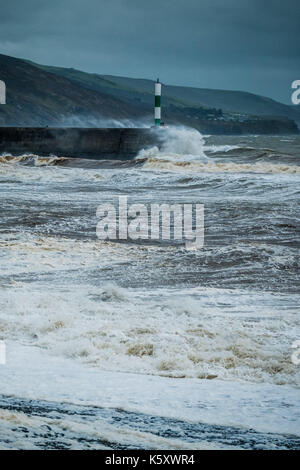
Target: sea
144,344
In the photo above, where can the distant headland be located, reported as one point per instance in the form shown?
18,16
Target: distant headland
39,96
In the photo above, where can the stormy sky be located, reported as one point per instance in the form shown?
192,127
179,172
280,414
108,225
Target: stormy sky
251,45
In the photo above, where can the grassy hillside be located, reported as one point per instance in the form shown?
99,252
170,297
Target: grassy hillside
231,101
141,91
141,96
39,95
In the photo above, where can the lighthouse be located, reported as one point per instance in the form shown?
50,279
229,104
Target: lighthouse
157,108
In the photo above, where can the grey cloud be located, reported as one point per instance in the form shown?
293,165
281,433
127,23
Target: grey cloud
234,44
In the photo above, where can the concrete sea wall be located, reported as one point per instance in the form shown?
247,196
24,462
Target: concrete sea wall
119,143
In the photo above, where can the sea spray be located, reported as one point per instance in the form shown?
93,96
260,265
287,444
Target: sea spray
177,144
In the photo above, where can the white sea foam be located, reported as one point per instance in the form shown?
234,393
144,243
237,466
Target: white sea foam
44,170
178,144
197,332
34,374
78,433
8,159
181,352
184,149
164,163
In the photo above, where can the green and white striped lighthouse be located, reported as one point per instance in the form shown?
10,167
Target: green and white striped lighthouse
157,109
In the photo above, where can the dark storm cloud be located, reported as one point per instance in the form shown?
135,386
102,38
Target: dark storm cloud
233,44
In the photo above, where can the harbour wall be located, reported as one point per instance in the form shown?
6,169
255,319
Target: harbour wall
94,143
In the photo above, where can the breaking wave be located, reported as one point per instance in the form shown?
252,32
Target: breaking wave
219,167
29,168
179,144
201,332
130,315
33,160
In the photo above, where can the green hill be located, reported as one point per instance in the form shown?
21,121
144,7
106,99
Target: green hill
39,95
36,97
